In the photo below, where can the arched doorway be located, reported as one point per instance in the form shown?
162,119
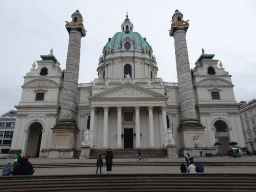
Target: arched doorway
34,140
222,136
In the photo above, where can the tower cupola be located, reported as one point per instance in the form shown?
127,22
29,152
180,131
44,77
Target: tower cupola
177,16
127,25
76,16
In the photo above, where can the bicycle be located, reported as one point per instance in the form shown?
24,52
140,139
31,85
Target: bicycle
141,158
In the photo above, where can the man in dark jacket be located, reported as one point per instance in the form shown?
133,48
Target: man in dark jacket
109,162
199,168
16,170
189,158
99,164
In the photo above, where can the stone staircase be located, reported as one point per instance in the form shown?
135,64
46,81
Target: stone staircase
129,153
131,182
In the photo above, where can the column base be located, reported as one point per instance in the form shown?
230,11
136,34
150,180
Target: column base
85,152
60,153
171,151
64,136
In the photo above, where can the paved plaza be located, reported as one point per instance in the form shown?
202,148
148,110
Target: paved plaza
87,166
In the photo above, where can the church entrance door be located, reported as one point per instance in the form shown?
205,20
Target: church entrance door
128,137
34,140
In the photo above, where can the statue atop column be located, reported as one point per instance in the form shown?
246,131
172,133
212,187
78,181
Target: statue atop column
170,135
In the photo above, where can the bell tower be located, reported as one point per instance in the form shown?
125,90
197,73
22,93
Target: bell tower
189,123
64,133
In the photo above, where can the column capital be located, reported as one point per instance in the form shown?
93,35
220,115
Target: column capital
150,107
163,107
105,108
119,108
137,108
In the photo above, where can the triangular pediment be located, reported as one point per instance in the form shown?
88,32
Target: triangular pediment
128,90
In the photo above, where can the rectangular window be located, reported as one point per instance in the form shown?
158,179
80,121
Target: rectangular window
1,142
12,124
39,96
8,134
215,95
2,124
1,134
8,124
5,151
7,142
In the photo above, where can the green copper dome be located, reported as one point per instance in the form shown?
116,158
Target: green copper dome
77,13
136,37
177,12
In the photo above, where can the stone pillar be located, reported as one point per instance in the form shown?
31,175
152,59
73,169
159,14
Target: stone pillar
119,128
105,128
137,126
164,128
189,123
151,129
65,132
92,125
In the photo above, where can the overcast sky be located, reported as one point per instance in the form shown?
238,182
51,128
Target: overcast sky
31,28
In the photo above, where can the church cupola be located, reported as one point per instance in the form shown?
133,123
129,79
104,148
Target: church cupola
177,16
76,16
127,26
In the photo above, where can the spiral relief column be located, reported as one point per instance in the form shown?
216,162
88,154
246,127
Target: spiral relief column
189,121
64,133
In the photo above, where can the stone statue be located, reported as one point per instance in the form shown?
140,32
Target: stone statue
87,135
137,48
34,65
106,82
127,76
221,65
202,50
161,83
51,51
57,64
149,83
168,133
117,48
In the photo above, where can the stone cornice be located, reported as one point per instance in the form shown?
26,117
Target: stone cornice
130,98
218,105
37,106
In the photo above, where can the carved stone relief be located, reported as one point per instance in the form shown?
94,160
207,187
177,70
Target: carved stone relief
215,82
41,83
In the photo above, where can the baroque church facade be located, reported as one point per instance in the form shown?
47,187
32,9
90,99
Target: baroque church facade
127,106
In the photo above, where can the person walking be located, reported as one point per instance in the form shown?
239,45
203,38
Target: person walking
183,168
109,160
139,154
99,164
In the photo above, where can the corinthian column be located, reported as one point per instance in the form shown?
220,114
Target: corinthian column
137,126
119,127
105,128
151,128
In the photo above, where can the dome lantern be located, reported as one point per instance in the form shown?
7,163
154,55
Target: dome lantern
127,26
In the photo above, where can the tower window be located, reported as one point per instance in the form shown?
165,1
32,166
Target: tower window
130,28
123,28
179,19
88,122
39,96
75,19
127,45
167,120
211,71
127,27
151,74
103,75
215,95
44,71
128,70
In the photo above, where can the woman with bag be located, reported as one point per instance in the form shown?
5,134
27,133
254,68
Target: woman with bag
17,160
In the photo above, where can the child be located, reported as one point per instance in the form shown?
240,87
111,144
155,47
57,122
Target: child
7,170
99,164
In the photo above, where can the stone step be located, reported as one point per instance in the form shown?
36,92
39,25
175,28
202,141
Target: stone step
132,182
